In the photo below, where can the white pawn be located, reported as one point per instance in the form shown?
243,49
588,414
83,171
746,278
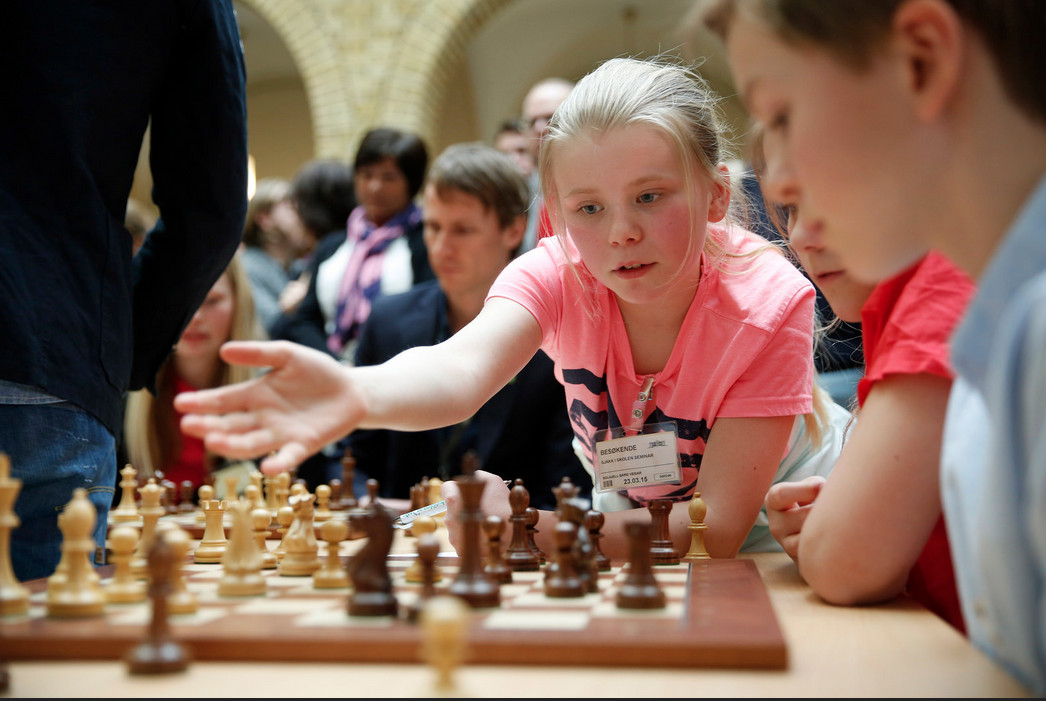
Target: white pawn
127,511
323,497
444,621
333,575
261,518
80,595
125,587
151,512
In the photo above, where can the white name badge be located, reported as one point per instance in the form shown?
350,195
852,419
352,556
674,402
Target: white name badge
643,460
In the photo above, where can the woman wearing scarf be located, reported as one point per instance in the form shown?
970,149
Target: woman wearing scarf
381,252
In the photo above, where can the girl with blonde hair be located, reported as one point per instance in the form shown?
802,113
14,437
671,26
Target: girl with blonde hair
673,330
153,438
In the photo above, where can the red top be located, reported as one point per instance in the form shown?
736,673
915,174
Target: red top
189,463
906,324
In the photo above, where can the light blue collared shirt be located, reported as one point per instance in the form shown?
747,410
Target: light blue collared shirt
993,479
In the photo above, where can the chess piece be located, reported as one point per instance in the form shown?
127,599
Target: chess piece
241,562
533,516
574,510
256,482
471,583
180,600
298,488
125,587
561,579
212,545
283,489
336,505
444,621
260,519
697,512
495,568
435,490
323,497
519,555
284,517
415,574
348,481
186,505
332,575
204,493
423,492
469,463
171,497
594,523
565,490
80,595
372,587
14,598
159,653
640,589
151,511
299,545
373,487
662,552
428,551
127,511
232,487
271,500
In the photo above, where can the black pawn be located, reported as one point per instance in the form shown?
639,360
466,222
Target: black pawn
159,653
519,556
561,579
640,589
594,523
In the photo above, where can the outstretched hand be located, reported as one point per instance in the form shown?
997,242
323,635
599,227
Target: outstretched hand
787,506
306,401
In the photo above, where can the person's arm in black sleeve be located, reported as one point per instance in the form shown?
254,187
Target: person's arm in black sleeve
199,166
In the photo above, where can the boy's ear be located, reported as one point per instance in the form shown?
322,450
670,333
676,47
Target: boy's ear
931,39
720,191
513,233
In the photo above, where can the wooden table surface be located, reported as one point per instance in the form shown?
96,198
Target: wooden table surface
895,649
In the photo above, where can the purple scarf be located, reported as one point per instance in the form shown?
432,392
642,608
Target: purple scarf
362,280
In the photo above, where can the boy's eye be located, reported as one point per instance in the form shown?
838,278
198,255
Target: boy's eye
589,208
648,197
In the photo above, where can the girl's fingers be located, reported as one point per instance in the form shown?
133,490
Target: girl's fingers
787,495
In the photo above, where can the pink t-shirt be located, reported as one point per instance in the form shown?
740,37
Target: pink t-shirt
745,348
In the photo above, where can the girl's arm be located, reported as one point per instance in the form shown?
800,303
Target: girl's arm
874,514
739,464
308,400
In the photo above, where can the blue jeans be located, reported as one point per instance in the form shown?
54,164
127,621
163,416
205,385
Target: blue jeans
54,447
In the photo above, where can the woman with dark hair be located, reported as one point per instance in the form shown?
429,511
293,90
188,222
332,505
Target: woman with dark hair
381,253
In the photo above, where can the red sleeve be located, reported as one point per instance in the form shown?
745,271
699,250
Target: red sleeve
908,320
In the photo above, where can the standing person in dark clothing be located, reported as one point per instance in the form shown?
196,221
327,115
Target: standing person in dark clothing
83,323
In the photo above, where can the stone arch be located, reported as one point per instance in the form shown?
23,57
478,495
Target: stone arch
307,35
438,39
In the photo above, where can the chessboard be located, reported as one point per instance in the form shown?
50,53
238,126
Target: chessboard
718,615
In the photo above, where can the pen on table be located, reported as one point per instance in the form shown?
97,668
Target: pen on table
404,521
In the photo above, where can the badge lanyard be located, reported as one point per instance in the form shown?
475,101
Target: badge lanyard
643,455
